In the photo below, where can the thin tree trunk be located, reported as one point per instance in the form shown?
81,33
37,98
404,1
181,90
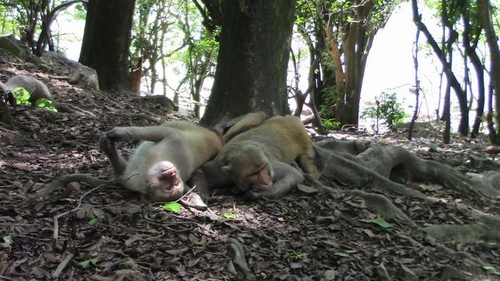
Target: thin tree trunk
463,126
486,16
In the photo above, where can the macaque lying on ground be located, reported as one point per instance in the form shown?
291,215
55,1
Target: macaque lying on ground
258,161
165,159
35,87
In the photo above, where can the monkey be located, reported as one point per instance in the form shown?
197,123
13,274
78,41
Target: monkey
243,123
6,96
35,87
166,157
38,90
258,162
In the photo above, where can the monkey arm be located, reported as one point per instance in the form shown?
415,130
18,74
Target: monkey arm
285,178
117,162
151,133
209,177
243,123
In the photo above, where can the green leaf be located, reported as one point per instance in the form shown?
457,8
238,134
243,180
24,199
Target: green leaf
380,222
433,147
86,263
45,103
22,96
492,269
8,239
229,215
297,255
93,221
172,207
341,254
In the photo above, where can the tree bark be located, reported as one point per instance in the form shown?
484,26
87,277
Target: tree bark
356,43
463,127
486,17
252,62
106,41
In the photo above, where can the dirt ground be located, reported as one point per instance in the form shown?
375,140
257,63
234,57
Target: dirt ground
85,232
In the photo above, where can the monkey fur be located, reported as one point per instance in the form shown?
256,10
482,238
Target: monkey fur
35,87
258,161
243,123
165,159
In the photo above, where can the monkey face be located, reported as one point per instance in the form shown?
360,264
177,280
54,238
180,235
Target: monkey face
164,181
250,170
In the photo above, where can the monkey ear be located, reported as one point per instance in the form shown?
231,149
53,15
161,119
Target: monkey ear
226,169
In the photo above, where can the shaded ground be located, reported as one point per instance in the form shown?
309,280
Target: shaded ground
299,237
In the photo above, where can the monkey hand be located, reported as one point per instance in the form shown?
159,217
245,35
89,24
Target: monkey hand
106,144
252,194
116,134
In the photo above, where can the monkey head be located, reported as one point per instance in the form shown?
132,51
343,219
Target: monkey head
164,182
249,168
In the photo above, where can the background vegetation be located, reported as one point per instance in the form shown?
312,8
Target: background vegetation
153,41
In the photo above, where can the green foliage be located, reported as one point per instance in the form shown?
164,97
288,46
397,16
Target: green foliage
330,124
389,109
380,222
46,104
229,215
23,98
93,221
327,108
172,207
87,263
7,21
297,255
80,13
341,254
8,240
492,270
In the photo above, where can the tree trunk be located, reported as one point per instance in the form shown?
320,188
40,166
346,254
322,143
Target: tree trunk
253,58
356,44
463,127
106,41
485,11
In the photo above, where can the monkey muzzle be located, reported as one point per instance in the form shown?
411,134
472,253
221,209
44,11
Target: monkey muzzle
169,179
164,178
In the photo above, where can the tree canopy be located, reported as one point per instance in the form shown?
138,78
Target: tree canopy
349,205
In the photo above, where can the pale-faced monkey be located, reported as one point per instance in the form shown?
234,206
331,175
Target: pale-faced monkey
258,161
165,159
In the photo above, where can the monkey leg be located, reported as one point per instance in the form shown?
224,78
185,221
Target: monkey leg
151,133
117,162
285,178
311,163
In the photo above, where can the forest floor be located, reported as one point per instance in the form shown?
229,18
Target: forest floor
84,232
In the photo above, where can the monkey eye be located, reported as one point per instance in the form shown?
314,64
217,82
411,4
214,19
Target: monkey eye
253,174
258,171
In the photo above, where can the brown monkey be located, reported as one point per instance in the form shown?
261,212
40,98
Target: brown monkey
258,161
166,158
35,87
243,123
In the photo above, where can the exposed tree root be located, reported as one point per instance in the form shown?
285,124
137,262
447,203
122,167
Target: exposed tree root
64,180
71,109
372,167
237,253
